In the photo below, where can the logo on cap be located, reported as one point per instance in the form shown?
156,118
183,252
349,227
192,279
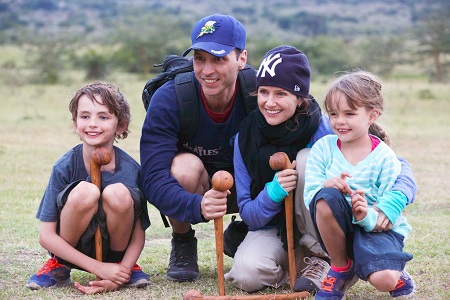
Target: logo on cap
265,65
209,27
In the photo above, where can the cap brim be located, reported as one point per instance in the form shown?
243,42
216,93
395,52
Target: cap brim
215,49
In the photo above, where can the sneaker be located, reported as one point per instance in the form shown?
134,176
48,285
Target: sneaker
138,278
405,286
183,258
52,274
336,284
312,275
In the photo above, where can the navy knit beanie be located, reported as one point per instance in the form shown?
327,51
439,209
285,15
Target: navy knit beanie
287,68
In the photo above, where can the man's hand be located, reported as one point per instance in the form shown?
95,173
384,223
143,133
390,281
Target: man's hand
339,183
383,223
359,205
214,204
96,287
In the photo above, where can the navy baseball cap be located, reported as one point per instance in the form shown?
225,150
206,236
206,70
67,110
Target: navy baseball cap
217,35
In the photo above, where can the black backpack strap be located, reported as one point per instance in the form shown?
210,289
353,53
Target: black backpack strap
247,84
188,101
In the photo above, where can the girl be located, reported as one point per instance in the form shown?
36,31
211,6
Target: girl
350,177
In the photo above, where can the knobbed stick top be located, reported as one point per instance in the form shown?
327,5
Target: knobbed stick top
101,156
280,161
222,181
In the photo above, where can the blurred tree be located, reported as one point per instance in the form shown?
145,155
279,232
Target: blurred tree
147,44
95,63
327,55
433,33
380,54
47,59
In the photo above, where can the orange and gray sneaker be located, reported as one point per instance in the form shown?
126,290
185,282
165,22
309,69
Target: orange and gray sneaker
405,287
138,278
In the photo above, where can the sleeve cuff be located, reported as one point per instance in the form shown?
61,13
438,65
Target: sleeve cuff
369,222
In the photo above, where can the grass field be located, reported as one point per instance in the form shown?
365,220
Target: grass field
36,129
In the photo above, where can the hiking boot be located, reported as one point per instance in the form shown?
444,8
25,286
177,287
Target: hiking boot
52,274
405,286
183,258
336,284
312,275
138,278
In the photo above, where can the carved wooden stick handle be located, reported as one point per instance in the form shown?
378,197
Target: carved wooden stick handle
280,161
100,156
221,181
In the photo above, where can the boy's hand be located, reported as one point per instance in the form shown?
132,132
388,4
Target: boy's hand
96,287
339,183
359,205
214,204
116,273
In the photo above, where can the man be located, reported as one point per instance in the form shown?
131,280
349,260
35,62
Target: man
176,176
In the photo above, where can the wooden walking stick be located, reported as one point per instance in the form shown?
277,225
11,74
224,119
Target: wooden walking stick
221,181
195,295
100,156
280,161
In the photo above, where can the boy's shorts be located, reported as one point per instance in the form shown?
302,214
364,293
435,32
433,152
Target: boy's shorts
370,251
86,244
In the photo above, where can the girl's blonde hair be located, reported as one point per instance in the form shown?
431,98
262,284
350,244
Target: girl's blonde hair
112,98
362,89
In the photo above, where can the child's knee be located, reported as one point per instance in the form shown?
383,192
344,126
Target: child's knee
117,197
323,209
385,280
84,196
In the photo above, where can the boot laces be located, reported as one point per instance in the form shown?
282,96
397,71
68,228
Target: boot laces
314,268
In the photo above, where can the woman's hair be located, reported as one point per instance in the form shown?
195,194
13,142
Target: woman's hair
302,109
362,89
112,98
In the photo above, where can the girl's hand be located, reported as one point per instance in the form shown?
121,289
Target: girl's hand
359,205
339,183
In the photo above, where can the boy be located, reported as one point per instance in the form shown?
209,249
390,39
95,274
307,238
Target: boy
72,206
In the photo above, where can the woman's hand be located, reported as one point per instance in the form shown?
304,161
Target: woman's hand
383,223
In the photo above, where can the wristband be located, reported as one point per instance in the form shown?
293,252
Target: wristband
275,190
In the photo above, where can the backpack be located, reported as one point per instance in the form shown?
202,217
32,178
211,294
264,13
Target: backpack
180,69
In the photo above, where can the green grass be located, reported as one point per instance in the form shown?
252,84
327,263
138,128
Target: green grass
36,129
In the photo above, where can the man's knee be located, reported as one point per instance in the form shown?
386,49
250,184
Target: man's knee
190,173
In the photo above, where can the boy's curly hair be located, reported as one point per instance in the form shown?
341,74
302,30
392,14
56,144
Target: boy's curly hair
112,98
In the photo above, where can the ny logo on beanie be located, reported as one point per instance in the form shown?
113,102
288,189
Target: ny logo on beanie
292,70
265,65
